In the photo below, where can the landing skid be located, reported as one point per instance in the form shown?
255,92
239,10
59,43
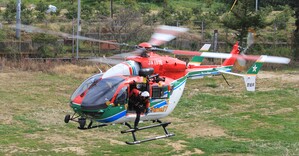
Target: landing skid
90,126
82,122
164,125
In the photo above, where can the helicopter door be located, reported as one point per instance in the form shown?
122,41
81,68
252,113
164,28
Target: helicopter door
134,99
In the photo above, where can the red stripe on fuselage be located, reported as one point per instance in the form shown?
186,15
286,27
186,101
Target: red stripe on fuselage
130,68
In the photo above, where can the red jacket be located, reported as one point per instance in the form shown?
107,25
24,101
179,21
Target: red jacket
136,92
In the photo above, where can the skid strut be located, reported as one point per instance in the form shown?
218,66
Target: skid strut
163,124
82,122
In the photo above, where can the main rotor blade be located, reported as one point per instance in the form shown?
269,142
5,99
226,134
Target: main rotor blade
117,58
165,34
106,60
123,56
263,58
29,28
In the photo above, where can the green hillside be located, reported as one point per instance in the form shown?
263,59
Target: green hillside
135,21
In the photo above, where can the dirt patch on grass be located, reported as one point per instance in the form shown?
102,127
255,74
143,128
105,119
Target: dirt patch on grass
201,129
6,119
116,142
195,152
50,118
268,80
60,139
77,150
292,76
15,150
178,145
280,111
197,128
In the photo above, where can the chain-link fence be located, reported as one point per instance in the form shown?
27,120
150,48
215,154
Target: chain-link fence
271,40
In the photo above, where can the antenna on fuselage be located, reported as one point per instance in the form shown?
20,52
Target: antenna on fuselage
99,69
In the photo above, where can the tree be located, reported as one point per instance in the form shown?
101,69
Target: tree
295,6
41,8
243,17
101,8
283,17
10,12
71,12
48,45
86,12
27,16
167,15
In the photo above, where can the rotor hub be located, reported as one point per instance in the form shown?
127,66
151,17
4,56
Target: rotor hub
145,45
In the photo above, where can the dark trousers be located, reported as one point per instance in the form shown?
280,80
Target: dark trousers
138,112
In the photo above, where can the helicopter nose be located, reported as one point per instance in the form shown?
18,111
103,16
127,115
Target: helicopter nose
78,100
92,106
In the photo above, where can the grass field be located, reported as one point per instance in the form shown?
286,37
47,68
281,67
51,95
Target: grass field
211,118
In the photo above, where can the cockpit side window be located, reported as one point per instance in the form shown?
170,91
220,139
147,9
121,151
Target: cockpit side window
121,98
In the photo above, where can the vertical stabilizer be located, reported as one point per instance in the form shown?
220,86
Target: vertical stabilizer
235,51
250,77
255,68
198,59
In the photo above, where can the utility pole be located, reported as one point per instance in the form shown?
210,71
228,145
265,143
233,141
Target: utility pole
18,25
78,28
73,37
111,16
111,9
256,5
18,18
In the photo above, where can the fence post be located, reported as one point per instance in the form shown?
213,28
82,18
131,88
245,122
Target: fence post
202,31
215,40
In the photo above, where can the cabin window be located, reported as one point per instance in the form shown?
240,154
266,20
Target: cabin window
160,92
142,86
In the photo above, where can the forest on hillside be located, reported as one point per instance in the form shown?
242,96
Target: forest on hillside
273,22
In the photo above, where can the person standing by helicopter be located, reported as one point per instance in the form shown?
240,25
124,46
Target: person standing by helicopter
133,95
138,101
142,106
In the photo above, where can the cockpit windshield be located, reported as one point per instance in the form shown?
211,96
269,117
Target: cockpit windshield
86,84
100,92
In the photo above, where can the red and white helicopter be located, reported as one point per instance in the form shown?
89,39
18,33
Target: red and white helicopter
103,97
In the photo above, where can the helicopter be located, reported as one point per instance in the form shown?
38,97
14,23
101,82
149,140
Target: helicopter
104,97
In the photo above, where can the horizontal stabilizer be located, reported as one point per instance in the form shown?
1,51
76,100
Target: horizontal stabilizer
248,79
205,47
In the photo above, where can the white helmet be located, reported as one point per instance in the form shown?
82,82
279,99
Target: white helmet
145,94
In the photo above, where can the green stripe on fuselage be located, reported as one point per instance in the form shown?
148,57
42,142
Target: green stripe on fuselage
112,110
178,82
212,71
